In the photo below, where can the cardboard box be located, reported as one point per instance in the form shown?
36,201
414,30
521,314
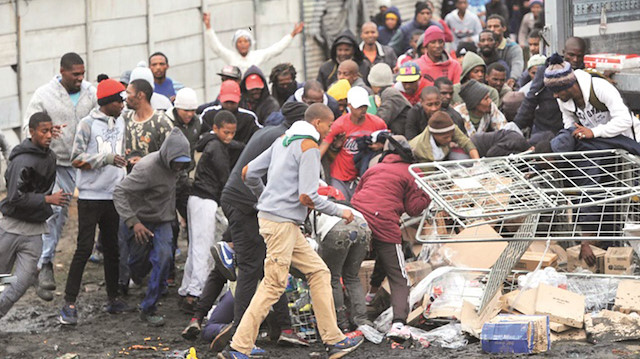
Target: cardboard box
618,260
574,261
521,334
366,269
474,255
628,296
525,303
558,328
561,305
539,247
530,260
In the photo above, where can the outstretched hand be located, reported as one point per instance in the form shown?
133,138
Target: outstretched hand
206,18
297,29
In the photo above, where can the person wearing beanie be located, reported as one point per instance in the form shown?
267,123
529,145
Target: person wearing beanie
410,82
341,141
66,98
230,96
241,55
436,62
375,52
98,154
478,111
392,22
434,143
345,47
422,20
256,96
158,101
183,116
473,68
465,25
219,154
383,6
591,106
532,68
536,7
339,92
392,106
384,193
507,50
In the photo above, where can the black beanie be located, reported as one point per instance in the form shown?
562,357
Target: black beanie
294,111
421,5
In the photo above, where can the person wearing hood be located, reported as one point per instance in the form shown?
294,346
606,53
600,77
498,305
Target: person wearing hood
145,201
464,24
393,105
98,154
383,6
344,47
67,99
375,52
241,55
255,94
247,121
473,68
478,111
239,206
392,22
384,193
30,181
436,62
283,82
283,206
219,154
434,143
422,20
311,92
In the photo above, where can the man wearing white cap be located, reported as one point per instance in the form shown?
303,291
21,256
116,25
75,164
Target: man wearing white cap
183,116
341,141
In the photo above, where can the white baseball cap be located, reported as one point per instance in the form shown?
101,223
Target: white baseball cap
358,97
186,99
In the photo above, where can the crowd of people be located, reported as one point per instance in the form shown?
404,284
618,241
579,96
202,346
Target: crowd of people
310,176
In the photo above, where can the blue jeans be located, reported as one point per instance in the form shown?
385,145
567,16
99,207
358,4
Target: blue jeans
65,180
155,256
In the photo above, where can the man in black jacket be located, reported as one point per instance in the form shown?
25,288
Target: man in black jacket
219,154
345,47
30,178
256,96
238,204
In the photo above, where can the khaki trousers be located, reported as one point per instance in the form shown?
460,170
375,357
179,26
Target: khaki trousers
286,246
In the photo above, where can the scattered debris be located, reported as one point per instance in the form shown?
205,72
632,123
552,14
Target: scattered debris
628,296
608,325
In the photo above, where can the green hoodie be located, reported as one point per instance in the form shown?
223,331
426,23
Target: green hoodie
471,60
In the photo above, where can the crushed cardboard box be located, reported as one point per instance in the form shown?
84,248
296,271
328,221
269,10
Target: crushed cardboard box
554,247
474,255
618,260
574,261
628,296
530,260
516,334
561,305
608,325
472,321
571,335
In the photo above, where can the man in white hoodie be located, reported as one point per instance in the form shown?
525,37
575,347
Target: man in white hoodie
67,98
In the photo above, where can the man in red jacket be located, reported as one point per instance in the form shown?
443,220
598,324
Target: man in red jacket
436,62
385,192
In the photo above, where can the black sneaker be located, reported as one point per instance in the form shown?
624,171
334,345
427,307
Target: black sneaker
344,347
68,315
152,319
188,304
222,339
117,306
192,330
45,277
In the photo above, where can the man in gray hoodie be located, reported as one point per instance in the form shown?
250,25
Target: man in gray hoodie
145,201
67,99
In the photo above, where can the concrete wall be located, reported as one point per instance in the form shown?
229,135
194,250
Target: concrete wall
114,35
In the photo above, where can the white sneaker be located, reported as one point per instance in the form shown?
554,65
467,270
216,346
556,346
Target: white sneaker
399,332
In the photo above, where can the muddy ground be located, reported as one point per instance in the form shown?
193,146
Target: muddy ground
31,329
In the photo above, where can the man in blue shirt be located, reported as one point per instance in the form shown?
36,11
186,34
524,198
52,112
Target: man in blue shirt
159,64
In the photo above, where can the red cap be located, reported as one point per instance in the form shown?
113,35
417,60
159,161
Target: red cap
229,91
254,81
109,87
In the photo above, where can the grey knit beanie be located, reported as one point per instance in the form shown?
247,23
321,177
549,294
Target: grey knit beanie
472,93
381,75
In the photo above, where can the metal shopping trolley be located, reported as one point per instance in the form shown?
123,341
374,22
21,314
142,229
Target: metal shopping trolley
529,197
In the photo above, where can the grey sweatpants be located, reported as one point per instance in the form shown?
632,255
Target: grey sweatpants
24,252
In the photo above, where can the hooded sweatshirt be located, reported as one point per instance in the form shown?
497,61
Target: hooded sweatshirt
448,68
471,60
265,105
30,177
214,166
384,34
253,57
393,109
190,130
148,193
98,140
247,122
292,166
235,192
384,193
53,99
328,72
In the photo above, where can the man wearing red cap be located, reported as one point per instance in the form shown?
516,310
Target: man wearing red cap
436,63
98,154
247,121
256,96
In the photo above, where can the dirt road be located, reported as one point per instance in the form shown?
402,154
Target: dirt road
31,329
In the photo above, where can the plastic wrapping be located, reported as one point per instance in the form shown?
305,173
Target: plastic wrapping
371,334
450,290
598,292
547,276
449,336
